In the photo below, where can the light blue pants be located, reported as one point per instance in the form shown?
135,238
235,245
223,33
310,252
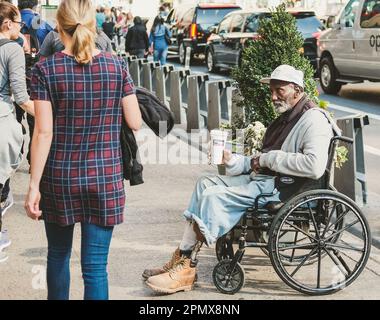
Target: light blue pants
219,202
160,55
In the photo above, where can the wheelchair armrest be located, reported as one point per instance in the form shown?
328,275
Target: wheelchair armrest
263,195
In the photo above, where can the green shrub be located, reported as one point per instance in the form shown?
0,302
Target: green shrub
280,43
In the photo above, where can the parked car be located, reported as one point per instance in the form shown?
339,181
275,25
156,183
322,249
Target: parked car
191,26
230,37
349,52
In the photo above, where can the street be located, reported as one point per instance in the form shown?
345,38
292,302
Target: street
353,99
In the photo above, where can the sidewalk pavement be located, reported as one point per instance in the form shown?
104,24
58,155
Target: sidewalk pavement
152,230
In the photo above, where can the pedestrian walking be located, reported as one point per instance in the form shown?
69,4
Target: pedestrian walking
137,42
76,172
158,38
53,43
12,83
109,29
100,17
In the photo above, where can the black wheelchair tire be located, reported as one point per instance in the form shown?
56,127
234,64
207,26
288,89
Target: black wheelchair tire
275,229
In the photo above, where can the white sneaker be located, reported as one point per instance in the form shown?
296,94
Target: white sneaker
5,205
3,257
4,240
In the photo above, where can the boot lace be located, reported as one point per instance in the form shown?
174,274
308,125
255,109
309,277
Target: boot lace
170,263
178,266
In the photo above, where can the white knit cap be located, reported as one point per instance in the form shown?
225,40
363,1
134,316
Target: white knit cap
285,73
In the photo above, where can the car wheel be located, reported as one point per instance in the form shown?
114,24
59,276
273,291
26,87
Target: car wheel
328,76
182,53
211,62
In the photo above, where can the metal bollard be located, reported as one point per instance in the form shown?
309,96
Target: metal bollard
162,81
129,59
135,70
148,75
237,110
219,103
354,169
178,93
197,106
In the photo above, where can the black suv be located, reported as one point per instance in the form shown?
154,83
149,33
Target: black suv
229,38
191,27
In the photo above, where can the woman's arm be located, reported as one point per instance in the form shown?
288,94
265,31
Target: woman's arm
28,106
131,111
42,137
17,78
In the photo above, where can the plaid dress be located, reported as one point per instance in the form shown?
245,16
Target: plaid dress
83,180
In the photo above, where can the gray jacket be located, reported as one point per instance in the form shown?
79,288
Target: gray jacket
12,81
12,75
304,152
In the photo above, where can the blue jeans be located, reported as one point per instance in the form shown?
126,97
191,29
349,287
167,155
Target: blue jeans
160,55
218,202
95,245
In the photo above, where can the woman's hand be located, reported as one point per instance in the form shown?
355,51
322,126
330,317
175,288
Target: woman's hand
32,204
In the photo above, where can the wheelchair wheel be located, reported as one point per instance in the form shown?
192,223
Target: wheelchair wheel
337,241
288,259
227,281
224,247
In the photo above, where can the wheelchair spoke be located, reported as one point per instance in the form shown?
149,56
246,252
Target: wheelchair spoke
340,231
341,246
282,234
338,220
314,222
294,250
319,269
309,246
304,260
329,219
336,262
341,260
300,230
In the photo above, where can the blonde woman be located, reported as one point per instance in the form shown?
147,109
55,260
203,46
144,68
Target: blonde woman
81,95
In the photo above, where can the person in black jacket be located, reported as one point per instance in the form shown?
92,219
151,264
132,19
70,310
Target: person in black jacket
137,42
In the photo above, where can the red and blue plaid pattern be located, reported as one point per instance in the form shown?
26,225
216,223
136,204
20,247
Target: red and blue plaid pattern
83,178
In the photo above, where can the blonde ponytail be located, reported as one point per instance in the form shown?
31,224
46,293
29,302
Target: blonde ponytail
77,19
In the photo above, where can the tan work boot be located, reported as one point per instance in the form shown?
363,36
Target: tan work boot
153,272
179,278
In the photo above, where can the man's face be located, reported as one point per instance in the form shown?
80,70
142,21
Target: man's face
284,95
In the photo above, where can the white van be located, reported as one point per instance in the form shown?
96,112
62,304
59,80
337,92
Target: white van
349,52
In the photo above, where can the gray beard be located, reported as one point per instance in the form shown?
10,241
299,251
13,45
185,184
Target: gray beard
281,107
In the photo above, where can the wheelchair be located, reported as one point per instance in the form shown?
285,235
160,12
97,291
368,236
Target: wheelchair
318,242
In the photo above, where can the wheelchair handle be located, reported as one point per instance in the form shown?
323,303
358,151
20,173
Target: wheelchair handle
344,139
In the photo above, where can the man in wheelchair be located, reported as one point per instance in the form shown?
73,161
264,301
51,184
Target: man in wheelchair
293,159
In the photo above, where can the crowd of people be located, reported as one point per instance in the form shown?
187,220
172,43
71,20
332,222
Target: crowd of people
76,165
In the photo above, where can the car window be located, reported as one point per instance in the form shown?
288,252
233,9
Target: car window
253,21
224,26
212,16
370,16
308,24
348,15
237,23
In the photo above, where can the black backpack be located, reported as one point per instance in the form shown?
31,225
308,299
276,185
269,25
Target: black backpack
31,36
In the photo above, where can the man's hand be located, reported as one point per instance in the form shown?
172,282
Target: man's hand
255,164
227,155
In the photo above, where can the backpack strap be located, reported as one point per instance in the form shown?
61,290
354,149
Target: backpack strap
5,41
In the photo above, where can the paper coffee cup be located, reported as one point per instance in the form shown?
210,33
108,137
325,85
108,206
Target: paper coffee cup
218,144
